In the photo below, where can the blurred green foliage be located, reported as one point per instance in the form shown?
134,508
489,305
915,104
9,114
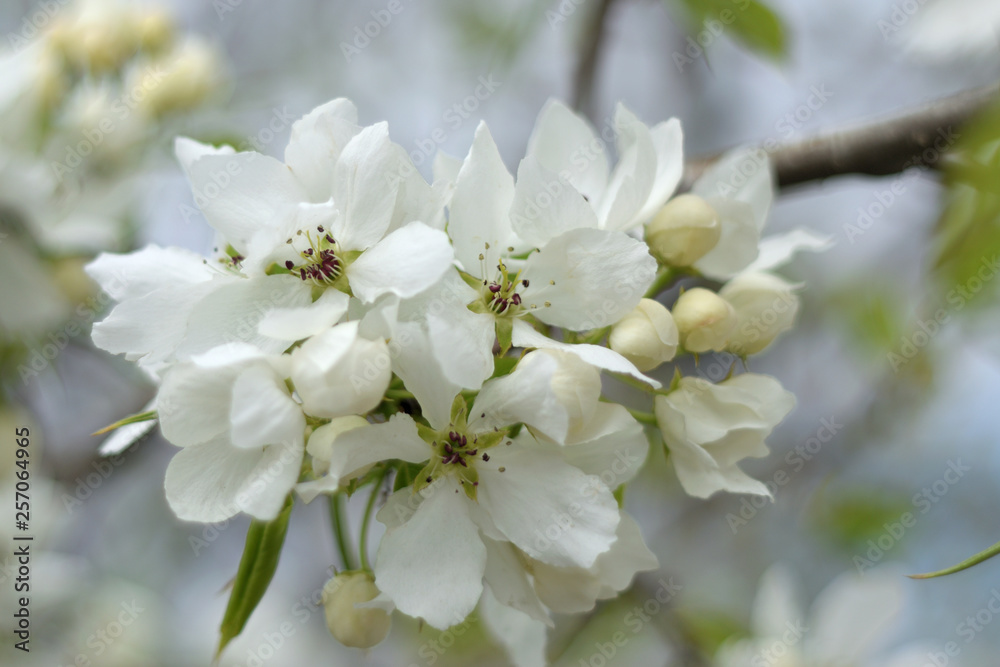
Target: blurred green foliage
750,22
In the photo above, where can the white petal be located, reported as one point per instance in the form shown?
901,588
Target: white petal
552,511
215,481
188,150
565,142
629,555
852,614
778,250
193,403
243,193
775,604
480,207
292,324
596,355
463,345
317,140
262,412
614,446
446,167
525,395
361,447
432,566
523,637
632,180
363,193
590,277
231,313
124,437
414,362
744,175
668,141
738,241
546,205
404,263
508,580
132,275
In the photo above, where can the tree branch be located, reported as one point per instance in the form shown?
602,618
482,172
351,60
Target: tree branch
887,146
586,68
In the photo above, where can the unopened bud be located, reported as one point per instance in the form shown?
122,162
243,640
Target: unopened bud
705,320
156,31
684,231
765,307
647,336
320,446
351,626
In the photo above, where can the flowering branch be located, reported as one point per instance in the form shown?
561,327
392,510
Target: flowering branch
883,147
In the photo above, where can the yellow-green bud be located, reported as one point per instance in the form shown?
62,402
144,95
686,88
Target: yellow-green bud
705,320
684,231
647,336
357,628
765,306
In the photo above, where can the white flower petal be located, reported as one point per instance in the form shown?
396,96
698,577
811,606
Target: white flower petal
566,143
738,242
613,445
852,614
523,637
316,142
775,603
415,363
262,412
744,175
668,141
292,324
215,481
231,313
188,151
508,580
525,395
404,263
132,275
552,511
524,335
546,205
590,277
243,193
778,249
480,207
632,180
362,192
432,566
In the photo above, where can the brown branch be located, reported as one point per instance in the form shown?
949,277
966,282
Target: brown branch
586,69
880,148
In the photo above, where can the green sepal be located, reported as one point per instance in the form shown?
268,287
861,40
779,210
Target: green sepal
486,440
472,281
505,332
459,410
257,567
426,433
503,366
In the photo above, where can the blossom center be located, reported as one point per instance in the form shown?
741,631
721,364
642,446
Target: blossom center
320,263
502,296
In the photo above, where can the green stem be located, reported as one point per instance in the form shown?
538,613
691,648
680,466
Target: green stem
643,417
633,382
398,394
337,519
366,521
663,280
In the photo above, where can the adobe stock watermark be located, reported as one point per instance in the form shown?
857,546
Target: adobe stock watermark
562,12
634,621
968,629
923,501
900,15
911,344
885,198
362,35
104,638
794,461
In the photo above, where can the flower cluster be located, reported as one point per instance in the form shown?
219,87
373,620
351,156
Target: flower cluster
359,327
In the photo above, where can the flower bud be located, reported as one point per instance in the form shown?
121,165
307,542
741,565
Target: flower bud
156,30
357,628
647,336
704,319
179,81
684,231
339,373
765,307
321,441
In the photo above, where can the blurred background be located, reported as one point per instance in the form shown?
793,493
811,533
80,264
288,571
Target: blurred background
894,398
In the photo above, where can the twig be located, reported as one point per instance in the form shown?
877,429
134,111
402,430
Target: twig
884,147
586,69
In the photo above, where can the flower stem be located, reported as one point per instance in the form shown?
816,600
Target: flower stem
660,284
366,521
632,382
337,519
643,417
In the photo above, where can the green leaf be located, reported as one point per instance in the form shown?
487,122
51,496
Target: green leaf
257,567
749,21
964,565
505,333
132,419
